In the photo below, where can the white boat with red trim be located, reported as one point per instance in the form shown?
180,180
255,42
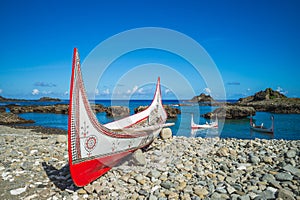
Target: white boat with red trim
207,125
95,148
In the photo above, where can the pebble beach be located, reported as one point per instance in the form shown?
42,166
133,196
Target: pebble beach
34,165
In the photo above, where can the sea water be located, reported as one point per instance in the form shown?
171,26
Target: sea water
286,126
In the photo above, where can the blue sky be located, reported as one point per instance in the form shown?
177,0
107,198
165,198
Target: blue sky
254,44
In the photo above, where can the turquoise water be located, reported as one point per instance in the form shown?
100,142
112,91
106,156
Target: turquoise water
286,125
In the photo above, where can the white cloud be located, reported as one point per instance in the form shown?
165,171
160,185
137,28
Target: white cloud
35,92
279,89
106,91
141,91
66,92
1,91
167,91
46,92
207,90
135,89
96,91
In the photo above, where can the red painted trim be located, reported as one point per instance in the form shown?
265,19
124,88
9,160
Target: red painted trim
137,122
70,110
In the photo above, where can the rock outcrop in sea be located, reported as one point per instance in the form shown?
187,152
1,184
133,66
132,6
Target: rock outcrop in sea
42,99
11,118
231,112
171,112
203,99
57,108
117,111
267,94
271,101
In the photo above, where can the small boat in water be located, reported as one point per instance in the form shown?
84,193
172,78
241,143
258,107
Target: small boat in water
262,128
95,148
207,125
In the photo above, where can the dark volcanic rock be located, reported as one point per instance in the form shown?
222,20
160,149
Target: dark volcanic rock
268,94
3,99
43,99
48,99
117,111
2,109
231,112
10,118
171,112
57,109
203,98
271,101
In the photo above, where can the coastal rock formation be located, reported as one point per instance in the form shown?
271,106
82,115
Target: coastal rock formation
203,99
117,111
49,99
286,106
2,109
3,99
231,112
268,94
42,99
57,109
171,112
271,101
10,118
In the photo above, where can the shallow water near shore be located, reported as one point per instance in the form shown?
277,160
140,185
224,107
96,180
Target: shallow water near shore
286,125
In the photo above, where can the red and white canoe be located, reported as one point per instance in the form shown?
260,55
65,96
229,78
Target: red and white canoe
207,125
95,148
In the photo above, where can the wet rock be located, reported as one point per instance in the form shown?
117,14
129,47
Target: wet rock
231,112
10,118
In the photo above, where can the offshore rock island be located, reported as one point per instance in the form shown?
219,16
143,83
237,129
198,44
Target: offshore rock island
265,101
271,101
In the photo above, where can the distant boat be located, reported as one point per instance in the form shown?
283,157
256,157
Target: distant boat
95,148
262,128
207,125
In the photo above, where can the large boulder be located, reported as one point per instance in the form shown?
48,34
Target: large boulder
166,133
10,118
231,112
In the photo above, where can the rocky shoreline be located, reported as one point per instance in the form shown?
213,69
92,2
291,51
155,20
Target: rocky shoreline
35,166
